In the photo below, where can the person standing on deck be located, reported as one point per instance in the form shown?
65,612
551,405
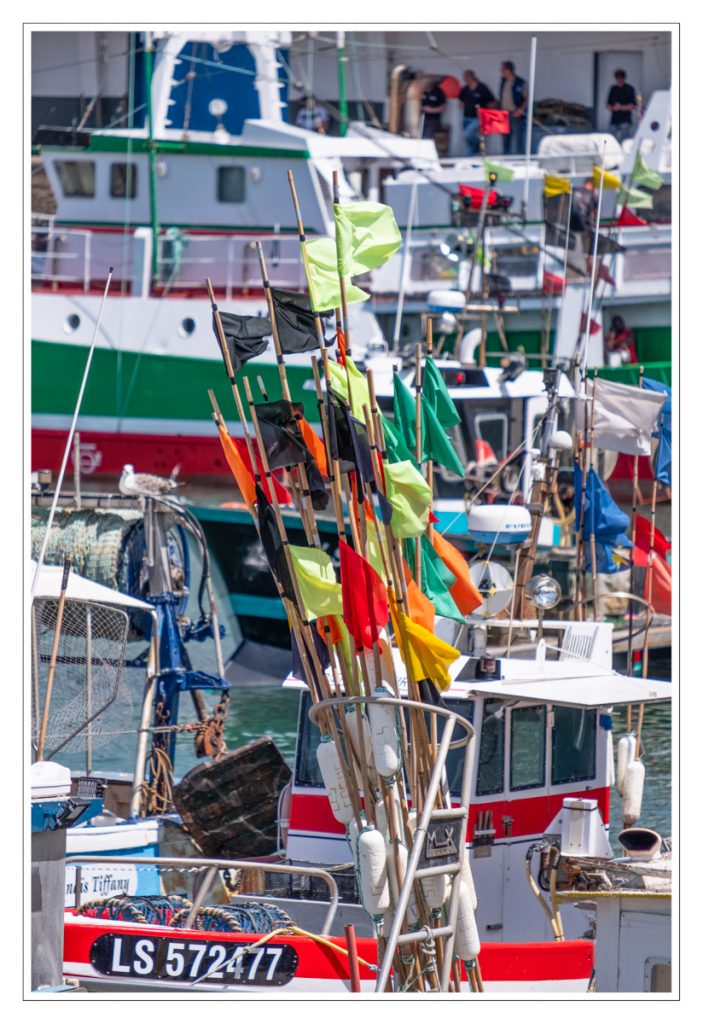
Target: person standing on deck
312,116
432,105
474,94
513,98
621,102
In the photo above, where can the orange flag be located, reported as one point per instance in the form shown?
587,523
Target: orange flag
466,596
245,481
420,607
314,444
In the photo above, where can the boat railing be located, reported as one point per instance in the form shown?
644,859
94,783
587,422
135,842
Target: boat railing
60,256
211,866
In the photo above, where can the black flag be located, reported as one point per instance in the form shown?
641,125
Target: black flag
352,444
285,446
273,544
244,336
297,331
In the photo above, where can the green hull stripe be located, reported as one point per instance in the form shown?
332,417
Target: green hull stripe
129,384
117,144
182,226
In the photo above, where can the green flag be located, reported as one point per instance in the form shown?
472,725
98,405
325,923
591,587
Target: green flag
437,579
367,236
396,448
636,199
435,391
435,444
359,388
319,590
502,173
410,497
323,277
643,175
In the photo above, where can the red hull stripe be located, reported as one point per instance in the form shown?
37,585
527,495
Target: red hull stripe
311,812
500,961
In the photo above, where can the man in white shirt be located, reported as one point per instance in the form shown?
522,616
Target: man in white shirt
312,116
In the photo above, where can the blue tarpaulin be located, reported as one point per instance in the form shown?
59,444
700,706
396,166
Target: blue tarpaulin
602,519
663,468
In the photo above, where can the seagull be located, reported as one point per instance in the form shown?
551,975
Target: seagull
145,484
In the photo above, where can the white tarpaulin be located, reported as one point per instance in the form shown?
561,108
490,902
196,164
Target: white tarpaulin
81,589
624,417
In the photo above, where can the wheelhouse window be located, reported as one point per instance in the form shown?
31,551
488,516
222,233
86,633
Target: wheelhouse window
123,181
230,184
77,178
455,758
307,771
490,755
573,745
528,729
493,430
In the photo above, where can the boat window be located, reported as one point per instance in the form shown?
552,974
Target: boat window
573,745
123,181
490,755
230,185
430,264
493,429
455,758
527,747
77,178
516,260
307,771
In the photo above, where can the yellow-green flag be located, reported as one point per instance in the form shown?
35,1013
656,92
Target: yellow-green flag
424,654
554,185
319,590
636,199
359,388
501,172
367,236
410,497
644,175
609,180
323,277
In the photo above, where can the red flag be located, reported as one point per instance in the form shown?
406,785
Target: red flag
493,122
642,535
476,196
660,581
628,219
603,275
595,326
364,602
553,284
282,494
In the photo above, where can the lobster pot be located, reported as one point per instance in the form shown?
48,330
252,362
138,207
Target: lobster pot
627,747
467,879
632,790
384,737
466,943
335,783
373,876
362,748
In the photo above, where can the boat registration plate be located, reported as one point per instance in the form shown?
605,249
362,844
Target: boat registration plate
160,959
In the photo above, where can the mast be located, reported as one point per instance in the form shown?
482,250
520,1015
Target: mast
342,61
149,55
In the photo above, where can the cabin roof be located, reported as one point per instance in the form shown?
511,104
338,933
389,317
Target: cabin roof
591,691
530,383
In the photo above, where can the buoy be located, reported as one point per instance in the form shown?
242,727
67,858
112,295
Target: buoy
363,752
467,945
384,736
627,746
611,776
468,879
373,876
632,791
335,784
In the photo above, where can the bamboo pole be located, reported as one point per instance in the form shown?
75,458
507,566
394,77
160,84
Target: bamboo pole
591,451
418,449
54,656
635,488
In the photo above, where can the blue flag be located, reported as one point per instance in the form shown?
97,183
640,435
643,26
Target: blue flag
662,471
603,520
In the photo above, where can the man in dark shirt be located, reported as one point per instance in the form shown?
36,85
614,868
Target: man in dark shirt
621,102
432,104
513,98
474,94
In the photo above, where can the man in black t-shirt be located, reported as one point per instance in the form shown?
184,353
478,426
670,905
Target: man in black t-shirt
621,102
474,94
432,104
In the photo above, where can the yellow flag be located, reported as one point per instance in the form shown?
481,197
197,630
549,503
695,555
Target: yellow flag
609,180
555,185
424,654
359,387
319,590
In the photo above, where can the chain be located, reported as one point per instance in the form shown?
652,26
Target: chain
210,739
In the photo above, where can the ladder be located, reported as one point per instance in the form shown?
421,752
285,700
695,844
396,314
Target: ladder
439,844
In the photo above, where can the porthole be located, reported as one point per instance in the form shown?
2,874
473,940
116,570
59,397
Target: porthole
71,323
187,327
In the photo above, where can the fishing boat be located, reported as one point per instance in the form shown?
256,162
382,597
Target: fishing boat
120,200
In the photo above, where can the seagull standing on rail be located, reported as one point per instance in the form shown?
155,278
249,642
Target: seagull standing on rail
146,485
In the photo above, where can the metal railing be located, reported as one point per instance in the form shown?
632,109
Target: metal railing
213,865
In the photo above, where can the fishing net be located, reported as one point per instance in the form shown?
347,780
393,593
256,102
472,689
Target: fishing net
87,704
94,538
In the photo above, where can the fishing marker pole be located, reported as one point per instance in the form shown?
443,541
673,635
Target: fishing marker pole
59,482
